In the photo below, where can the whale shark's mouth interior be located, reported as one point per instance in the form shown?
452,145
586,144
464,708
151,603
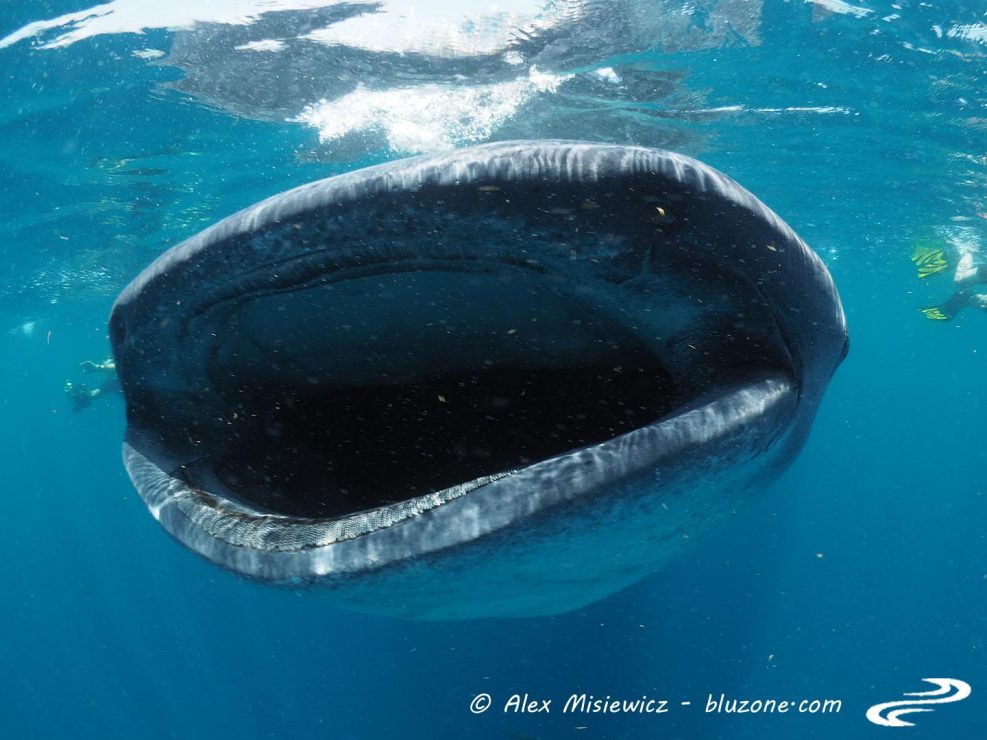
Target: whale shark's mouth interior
377,387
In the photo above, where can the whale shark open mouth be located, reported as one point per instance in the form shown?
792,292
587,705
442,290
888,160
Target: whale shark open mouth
316,385
389,385
366,390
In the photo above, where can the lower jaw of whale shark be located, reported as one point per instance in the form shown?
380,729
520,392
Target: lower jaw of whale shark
510,392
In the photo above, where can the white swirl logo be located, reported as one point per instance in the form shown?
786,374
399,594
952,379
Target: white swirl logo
950,690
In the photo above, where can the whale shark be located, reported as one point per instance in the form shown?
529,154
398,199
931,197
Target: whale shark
507,380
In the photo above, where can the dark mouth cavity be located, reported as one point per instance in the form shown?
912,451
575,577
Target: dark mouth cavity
364,392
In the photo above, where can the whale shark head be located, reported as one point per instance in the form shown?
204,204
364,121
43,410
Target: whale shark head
503,381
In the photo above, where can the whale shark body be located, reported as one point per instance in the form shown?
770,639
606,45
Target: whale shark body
504,381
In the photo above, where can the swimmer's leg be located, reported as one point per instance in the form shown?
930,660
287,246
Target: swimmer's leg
946,311
967,273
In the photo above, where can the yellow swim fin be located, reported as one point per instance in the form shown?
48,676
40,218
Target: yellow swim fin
929,260
947,310
935,313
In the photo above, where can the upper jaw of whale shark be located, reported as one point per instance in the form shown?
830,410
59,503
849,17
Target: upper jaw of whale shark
507,380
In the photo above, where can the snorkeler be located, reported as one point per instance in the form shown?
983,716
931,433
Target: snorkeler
932,260
82,396
107,365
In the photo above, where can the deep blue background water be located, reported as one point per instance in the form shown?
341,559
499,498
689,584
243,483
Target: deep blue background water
110,629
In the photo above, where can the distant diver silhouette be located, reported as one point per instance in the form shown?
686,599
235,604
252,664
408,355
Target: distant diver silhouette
82,395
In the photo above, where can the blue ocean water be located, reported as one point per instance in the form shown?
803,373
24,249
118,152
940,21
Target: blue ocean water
859,573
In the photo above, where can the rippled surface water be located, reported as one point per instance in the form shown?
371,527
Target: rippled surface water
129,126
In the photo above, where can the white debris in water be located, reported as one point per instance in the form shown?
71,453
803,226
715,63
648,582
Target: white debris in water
462,28
428,118
148,53
25,330
838,6
820,109
609,74
969,32
912,47
262,45
137,16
